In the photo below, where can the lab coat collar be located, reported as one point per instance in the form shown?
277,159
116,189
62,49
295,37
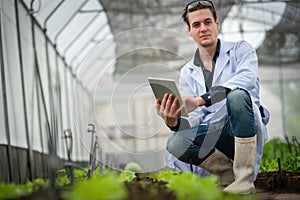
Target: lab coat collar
222,61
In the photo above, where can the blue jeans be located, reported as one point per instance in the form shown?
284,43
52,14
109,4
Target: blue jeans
196,144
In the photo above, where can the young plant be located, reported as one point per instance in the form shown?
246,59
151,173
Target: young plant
288,154
127,176
187,185
13,191
107,187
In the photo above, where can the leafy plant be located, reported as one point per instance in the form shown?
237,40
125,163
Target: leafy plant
63,178
167,175
268,165
13,191
189,186
127,176
275,149
9,191
106,187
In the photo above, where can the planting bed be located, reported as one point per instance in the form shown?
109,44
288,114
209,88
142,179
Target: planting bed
278,185
279,182
278,179
269,185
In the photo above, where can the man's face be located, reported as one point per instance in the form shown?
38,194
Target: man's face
203,28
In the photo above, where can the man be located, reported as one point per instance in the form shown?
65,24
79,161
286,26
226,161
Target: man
225,131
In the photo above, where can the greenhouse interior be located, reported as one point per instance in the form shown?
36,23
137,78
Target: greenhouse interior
75,94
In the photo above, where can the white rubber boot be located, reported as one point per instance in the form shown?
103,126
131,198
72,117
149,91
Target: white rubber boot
219,164
243,166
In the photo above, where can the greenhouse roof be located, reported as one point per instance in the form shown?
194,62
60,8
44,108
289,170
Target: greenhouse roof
112,37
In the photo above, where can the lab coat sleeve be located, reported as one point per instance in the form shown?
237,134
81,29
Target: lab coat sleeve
187,89
244,61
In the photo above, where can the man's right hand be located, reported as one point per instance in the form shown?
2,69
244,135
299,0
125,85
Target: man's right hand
169,109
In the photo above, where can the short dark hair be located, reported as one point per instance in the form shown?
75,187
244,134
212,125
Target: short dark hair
198,6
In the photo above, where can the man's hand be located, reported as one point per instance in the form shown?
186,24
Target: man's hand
169,109
192,103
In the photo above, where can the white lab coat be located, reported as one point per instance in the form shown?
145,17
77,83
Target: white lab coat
236,67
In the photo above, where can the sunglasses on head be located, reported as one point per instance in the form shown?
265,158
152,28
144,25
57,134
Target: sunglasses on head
193,5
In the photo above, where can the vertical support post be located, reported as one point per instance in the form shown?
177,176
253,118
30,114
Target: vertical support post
68,136
29,146
91,129
6,121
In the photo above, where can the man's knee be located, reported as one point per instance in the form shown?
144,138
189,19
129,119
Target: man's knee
170,146
174,145
237,94
189,155
238,97
180,141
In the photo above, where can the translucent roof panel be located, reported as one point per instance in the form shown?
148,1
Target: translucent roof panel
76,28
79,28
90,28
251,20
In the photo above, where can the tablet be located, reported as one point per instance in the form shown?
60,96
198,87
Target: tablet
161,86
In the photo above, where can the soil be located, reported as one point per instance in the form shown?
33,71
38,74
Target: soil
149,189
278,185
278,182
